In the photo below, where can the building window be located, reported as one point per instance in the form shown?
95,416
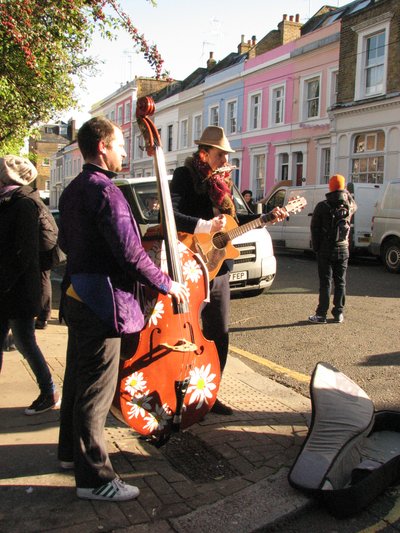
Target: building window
231,117
138,147
170,138
255,112
235,162
374,64
258,177
325,165
298,167
312,98
283,166
333,88
47,185
183,141
278,105
196,128
214,116
112,116
372,56
127,112
120,114
127,146
367,162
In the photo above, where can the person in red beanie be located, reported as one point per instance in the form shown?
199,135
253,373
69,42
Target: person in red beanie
330,230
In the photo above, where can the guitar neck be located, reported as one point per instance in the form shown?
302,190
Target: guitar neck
253,224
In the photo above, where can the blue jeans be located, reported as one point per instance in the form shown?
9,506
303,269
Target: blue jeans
332,266
23,330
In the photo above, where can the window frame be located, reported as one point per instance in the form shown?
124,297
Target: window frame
184,133
211,109
120,114
232,120
366,156
255,154
306,101
196,131
252,116
128,112
273,101
363,35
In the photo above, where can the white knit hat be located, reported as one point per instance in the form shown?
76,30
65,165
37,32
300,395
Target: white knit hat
16,170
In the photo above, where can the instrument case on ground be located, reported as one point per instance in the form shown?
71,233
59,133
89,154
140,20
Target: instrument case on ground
351,453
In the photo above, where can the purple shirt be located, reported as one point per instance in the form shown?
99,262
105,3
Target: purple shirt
100,237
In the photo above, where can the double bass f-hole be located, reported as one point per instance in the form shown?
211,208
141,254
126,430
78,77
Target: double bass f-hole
171,380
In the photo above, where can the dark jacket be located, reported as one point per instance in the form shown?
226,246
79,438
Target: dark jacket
321,221
103,246
19,254
190,203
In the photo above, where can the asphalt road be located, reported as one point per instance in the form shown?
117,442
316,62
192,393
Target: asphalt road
366,347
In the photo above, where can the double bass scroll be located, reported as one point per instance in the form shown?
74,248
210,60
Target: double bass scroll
171,379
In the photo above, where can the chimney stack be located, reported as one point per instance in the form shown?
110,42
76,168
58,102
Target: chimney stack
290,30
211,62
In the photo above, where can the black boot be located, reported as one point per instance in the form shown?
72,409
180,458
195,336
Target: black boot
221,409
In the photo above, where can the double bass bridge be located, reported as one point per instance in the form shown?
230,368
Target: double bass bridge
182,345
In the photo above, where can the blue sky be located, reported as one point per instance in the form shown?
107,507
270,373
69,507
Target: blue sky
185,32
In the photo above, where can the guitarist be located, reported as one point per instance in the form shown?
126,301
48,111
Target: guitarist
201,192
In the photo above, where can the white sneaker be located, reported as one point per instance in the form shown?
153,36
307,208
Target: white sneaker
113,491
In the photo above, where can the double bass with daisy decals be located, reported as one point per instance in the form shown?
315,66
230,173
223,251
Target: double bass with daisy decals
169,374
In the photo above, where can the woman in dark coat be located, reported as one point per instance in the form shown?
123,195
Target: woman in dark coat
20,286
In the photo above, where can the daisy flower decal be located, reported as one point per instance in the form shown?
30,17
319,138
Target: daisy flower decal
135,383
158,419
156,313
139,405
192,271
201,384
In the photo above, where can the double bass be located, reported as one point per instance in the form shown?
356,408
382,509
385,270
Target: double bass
170,373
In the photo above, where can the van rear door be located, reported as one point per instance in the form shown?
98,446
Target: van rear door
365,196
296,229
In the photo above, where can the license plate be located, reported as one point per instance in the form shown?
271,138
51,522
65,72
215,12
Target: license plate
238,276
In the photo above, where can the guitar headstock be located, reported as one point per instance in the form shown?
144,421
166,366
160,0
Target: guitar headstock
295,204
145,107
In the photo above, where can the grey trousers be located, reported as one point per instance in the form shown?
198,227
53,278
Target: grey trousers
90,382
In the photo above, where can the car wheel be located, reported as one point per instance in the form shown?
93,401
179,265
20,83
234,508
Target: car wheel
391,255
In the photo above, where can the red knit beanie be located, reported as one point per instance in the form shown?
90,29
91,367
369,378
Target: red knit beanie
337,183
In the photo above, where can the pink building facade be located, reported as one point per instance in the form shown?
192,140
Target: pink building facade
286,127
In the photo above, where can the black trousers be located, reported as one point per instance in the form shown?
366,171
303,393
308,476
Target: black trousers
46,295
332,266
215,316
90,382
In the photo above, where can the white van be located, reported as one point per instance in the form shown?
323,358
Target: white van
253,271
385,241
294,232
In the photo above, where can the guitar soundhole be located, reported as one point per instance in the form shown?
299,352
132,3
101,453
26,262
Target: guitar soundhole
220,240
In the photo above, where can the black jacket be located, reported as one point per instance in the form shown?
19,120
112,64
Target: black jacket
19,254
322,219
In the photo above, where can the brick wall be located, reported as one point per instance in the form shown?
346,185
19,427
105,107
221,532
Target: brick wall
348,49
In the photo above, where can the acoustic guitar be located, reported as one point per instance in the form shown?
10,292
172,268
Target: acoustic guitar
214,248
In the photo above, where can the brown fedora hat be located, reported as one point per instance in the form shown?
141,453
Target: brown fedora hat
214,136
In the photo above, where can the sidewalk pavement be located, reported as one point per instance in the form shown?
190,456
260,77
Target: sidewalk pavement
227,473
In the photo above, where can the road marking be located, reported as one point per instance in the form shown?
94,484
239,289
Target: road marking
273,366
391,518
